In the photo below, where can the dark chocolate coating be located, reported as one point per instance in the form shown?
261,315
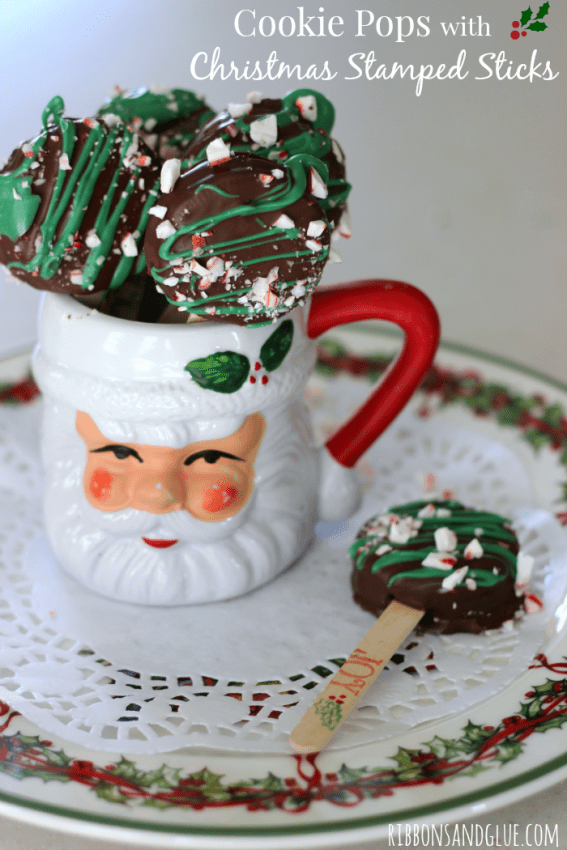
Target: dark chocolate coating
167,119
295,135
445,611
249,243
112,179
174,137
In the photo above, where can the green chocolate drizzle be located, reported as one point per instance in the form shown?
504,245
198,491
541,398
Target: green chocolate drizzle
290,190
313,140
465,524
71,194
161,106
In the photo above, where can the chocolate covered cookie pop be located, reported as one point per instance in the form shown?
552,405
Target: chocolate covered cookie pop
299,123
458,565
167,119
74,204
238,238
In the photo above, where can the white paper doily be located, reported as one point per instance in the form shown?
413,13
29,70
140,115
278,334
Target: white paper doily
239,674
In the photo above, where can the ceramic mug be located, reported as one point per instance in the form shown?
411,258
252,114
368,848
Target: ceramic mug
180,462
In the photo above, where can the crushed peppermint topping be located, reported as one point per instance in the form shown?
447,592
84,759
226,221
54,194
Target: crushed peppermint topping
170,281
266,179
215,268
402,530
170,171
284,221
237,110
128,245
278,173
264,131
158,211
470,583
307,106
344,227
262,292
218,152
473,550
197,268
132,149
439,560
149,124
532,603
316,228
337,151
442,512
76,278
427,511
254,97
445,539
91,239
455,578
384,549
165,229
524,567
317,185
27,150
313,244
111,120
64,164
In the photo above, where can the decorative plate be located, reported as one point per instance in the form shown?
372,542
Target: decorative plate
437,769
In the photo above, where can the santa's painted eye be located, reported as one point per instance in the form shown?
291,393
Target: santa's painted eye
210,456
119,452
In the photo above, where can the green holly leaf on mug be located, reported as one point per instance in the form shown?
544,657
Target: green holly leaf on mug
276,347
222,372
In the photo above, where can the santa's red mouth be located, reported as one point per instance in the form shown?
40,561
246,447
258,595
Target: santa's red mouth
158,543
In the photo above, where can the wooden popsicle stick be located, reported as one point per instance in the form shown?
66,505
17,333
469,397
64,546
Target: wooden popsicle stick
350,683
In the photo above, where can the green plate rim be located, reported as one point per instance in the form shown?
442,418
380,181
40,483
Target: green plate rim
407,814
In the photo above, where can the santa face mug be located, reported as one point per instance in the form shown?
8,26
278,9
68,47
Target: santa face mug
180,464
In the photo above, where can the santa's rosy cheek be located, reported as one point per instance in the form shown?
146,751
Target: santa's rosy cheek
100,485
218,498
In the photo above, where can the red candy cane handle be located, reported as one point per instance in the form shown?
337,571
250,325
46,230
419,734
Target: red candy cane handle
390,301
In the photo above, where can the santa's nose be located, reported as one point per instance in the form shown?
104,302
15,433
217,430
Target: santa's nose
160,493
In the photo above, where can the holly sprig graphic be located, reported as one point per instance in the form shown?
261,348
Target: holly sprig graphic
529,21
329,711
476,748
228,371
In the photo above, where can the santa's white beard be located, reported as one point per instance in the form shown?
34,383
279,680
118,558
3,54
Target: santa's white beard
211,560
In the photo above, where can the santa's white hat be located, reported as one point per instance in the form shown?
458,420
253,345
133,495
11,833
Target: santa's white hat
119,369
